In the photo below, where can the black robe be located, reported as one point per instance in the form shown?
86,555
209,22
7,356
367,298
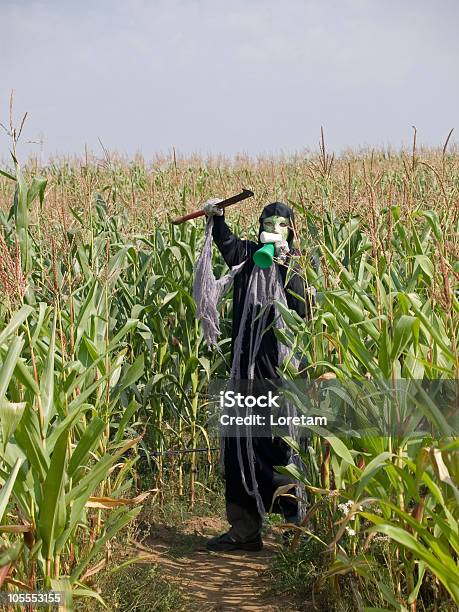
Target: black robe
269,452
234,251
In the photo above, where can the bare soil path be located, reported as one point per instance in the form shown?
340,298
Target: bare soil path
211,581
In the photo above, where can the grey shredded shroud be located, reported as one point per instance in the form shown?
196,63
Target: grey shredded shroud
264,288
207,290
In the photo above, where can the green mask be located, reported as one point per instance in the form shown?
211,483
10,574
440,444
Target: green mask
277,225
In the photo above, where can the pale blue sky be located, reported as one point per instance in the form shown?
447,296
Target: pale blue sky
212,76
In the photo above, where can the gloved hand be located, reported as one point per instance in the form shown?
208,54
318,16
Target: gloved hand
210,207
281,250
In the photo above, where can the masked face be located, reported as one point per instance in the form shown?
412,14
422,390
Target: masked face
277,225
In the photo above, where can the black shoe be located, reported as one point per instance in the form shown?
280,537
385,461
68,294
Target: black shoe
225,543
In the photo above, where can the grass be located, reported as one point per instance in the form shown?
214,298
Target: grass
299,573
136,588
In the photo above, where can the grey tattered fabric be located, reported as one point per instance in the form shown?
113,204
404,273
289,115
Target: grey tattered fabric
208,291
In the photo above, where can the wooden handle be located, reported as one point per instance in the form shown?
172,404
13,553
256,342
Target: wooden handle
245,193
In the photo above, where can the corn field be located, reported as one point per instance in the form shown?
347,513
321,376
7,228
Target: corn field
103,365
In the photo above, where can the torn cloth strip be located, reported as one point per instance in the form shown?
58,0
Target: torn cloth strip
208,291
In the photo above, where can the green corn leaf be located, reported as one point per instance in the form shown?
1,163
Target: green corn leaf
340,449
449,576
20,202
127,415
133,373
434,222
351,284
358,348
85,592
83,263
63,585
10,554
49,521
79,494
406,329
80,399
28,436
116,368
86,444
166,300
432,328
94,353
97,474
37,188
390,597
85,312
47,379
7,488
7,175
415,592
370,470
10,415
127,327
67,423
291,318
385,349
426,265
42,312
17,320
24,376
345,304
9,364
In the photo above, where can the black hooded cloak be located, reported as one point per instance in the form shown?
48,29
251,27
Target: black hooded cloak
269,452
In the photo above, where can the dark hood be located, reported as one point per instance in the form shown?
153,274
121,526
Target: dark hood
278,209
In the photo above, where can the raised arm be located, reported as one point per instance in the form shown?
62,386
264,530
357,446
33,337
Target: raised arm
233,249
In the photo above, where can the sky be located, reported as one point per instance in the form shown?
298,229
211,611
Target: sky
257,77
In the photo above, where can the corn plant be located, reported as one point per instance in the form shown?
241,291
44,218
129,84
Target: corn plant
381,316
56,460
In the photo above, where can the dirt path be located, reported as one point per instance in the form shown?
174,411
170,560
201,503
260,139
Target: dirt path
211,581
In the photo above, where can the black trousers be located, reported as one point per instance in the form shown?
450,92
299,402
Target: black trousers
241,507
